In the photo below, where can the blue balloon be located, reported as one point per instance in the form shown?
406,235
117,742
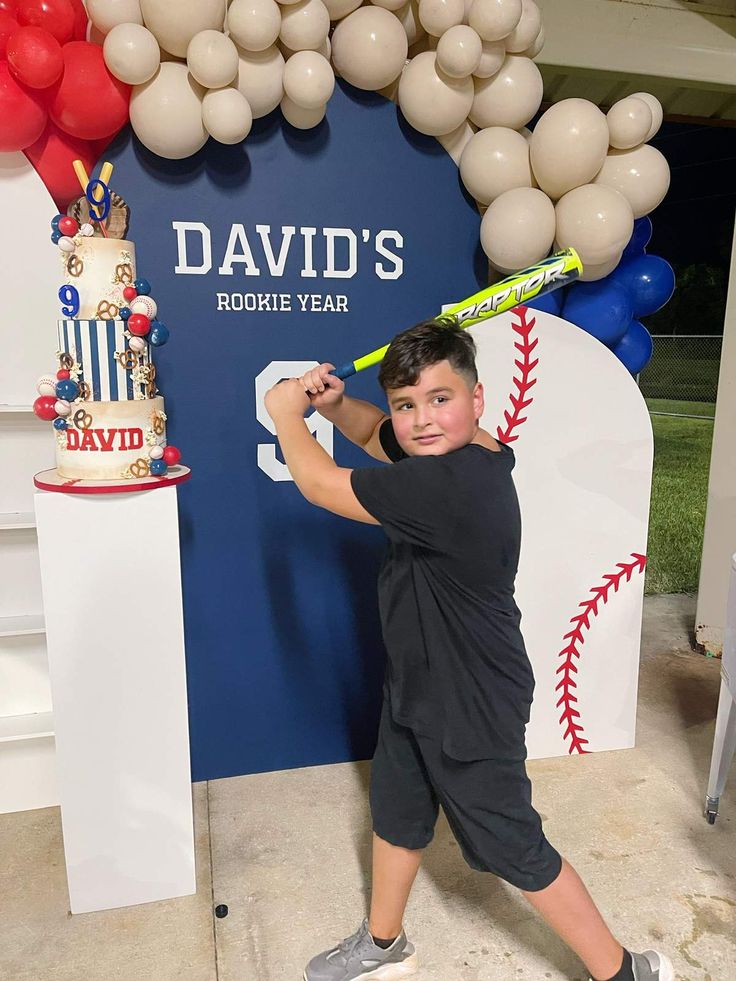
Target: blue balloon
602,308
142,287
158,334
124,313
158,468
549,303
635,348
55,236
650,281
640,238
60,423
67,389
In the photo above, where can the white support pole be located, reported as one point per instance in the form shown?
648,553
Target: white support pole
112,600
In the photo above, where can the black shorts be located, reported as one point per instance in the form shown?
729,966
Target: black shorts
488,804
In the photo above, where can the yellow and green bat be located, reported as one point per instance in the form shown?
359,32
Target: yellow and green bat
543,277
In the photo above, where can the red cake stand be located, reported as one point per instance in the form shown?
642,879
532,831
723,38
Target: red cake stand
49,480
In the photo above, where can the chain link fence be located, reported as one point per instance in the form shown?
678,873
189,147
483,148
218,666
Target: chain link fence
682,377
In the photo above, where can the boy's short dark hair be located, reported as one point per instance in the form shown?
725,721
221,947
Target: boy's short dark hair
425,344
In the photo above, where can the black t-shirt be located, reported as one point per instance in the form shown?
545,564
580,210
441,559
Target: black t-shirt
457,667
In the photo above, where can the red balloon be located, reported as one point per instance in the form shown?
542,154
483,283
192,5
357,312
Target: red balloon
89,102
44,407
54,16
9,5
8,26
52,157
171,456
138,323
34,57
80,20
22,117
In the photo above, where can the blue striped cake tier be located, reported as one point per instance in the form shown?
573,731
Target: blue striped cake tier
94,345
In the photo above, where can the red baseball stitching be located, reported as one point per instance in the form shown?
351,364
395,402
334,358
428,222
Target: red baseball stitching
523,381
575,638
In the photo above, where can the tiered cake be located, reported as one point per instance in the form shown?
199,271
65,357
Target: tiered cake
103,400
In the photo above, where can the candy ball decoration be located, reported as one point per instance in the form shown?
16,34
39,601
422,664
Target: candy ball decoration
495,160
159,334
68,225
642,175
55,236
55,221
459,51
62,407
226,115
44,407
61,375
369,48
212,59
254,24
433,103
130,293
171,456
46,385
158,468
67,389
139,324
145,305
141,286
137,344
568,146
34,57
308,79
511,97
60,424
131,53
124,313
166,112
597,225
156,452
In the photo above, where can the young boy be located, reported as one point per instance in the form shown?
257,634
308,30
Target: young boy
459,684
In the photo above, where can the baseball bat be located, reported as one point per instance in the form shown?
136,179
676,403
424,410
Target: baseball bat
543,277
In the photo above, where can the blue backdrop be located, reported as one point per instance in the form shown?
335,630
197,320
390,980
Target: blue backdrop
284,655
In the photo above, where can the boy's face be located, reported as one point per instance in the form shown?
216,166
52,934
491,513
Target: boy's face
437,415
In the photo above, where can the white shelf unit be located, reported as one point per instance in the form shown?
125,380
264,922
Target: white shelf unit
34,725
15,520
15,409
22,626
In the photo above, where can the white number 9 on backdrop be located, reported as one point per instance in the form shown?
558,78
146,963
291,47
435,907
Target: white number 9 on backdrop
321,427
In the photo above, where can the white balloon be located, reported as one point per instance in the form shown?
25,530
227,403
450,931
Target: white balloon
341,8
642,175
369,48
261,79
527,30
212,59
438,16
459,51
568,146
175,24
166,112
433,103
308,80
518,229
304,25
495,161
657,112
325,49
106,14
494,20
456,141
511,97
536,46
492,57
300,117
629,121
226,115
131,53
392,4
591,273
156,452
594,220
254,24
409,17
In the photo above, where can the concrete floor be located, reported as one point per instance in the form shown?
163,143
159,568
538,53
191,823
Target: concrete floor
289,853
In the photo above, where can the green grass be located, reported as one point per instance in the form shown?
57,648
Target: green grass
706,409
679,495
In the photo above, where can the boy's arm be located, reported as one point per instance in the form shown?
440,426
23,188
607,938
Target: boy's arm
314,471
357,420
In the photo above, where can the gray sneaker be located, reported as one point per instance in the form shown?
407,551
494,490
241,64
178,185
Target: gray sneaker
358,957
652,966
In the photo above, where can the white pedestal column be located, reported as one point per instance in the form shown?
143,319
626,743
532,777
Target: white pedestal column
112,601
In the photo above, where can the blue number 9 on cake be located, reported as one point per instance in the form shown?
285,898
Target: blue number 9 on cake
103,400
